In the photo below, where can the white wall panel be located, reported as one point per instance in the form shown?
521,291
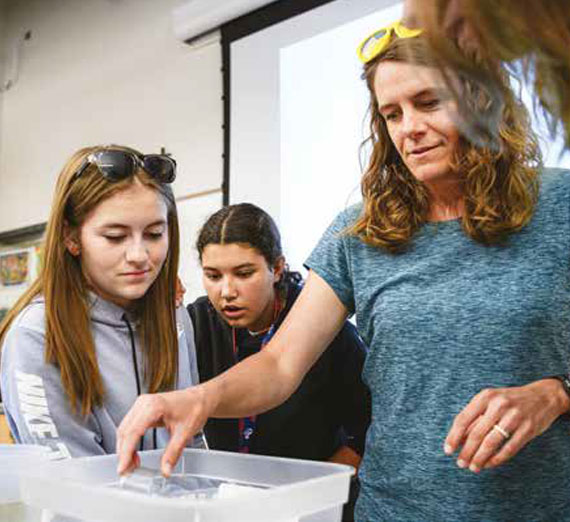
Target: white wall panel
192,214
2,60
95,72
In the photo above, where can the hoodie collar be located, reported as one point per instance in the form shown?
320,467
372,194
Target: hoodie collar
105,312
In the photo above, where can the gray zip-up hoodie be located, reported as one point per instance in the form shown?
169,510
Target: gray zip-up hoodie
36,406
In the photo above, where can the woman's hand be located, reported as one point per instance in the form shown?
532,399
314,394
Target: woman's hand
499,422
182,413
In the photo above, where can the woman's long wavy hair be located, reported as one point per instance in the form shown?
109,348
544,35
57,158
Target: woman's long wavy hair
68,343
499,183
536,32
248,224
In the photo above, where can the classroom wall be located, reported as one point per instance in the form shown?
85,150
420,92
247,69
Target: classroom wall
109,71
2,62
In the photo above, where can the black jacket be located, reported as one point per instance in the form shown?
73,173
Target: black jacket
330,408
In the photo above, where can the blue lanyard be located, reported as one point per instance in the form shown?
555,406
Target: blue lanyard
248,425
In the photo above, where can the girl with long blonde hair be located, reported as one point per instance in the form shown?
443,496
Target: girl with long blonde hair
99,326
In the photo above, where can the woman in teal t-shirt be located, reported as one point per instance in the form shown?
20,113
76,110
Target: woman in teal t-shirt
456,265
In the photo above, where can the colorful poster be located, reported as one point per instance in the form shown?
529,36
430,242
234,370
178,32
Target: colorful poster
14,268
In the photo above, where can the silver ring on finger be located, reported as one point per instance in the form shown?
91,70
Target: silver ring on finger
506,434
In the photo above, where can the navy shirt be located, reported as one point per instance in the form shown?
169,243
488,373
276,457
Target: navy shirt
442,321
330,408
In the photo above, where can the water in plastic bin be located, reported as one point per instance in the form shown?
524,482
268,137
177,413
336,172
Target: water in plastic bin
148,481
182,485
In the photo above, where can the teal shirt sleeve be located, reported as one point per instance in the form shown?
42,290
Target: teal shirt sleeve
331,257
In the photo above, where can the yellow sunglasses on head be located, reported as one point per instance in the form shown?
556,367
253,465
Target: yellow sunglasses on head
374,44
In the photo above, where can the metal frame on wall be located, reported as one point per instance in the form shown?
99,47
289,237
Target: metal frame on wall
20,235
244,26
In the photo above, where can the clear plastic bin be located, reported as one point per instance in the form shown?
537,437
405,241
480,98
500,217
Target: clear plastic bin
207,486
15,460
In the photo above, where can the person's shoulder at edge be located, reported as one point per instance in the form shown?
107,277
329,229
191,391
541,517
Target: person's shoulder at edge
341,223
350,214
204,317
554,179
200,310
553,197
200,304
23,346
31,317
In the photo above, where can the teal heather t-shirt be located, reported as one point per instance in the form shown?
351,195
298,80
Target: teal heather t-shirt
444,320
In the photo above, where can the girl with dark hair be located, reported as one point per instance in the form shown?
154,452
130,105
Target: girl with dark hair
89,336
249,293
456,265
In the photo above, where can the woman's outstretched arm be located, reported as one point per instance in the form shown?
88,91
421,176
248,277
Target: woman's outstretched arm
259,383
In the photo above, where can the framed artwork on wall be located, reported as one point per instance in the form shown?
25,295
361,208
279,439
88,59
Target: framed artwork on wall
15,268
19,266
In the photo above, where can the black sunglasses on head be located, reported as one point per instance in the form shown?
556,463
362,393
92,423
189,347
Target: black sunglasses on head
115,165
